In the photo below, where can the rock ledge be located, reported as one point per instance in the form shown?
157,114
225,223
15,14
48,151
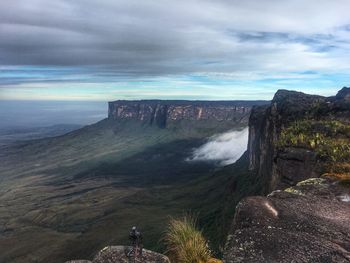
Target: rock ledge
118,254
309,222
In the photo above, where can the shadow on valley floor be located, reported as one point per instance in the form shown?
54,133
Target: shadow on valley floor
161,164
212,196
72,208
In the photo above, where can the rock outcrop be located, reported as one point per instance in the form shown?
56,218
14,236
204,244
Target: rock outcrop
309,222
300,144
161,112
118,254
280,167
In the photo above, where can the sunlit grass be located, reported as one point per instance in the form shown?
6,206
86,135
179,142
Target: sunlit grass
186,244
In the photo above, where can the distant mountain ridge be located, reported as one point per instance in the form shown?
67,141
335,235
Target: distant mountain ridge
161,112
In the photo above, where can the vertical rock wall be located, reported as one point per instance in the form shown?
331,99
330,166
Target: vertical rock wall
161,112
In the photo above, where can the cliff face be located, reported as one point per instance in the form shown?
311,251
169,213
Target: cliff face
300,144
160,112
284,165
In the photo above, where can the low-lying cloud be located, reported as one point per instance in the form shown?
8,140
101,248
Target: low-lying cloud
225,148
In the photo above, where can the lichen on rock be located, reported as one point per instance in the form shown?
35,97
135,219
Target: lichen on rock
312,181
292,190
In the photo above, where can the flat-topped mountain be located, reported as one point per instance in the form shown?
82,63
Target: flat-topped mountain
77,193
160,112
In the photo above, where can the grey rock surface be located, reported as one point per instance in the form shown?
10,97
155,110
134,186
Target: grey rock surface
118,254
309,222
78,261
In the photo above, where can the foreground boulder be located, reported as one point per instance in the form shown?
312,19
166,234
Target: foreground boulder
118,254
309,222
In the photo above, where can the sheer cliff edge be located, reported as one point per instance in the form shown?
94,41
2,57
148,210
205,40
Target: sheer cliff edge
299,148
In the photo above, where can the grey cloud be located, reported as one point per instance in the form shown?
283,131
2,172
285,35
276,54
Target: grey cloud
170,37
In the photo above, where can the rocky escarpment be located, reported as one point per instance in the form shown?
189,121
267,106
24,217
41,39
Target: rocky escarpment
278,158
300,144
306,223
118,254
161,112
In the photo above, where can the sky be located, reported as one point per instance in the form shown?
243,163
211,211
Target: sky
101,50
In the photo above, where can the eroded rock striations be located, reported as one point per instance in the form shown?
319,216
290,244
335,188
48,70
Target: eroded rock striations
300,145
161,112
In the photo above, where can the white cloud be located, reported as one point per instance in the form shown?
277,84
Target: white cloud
225,148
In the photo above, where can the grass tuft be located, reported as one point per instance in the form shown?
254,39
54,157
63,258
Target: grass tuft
186,244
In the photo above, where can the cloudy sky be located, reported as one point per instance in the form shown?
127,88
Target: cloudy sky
188,49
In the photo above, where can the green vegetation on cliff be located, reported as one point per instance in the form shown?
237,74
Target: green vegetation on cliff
329,139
